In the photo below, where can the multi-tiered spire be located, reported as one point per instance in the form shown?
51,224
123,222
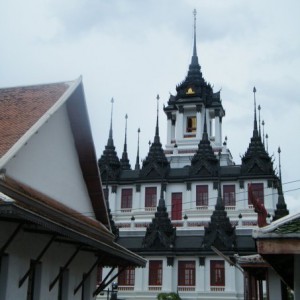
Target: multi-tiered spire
204,162
156,163
109,162
160,233
137,163
256,159
219,233
281,209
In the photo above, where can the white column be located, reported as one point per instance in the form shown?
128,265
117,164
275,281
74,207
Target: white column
113,201
167,277
201,279
199,125
135,199
179,126
296,277
217,131
229,278
139,275
169,131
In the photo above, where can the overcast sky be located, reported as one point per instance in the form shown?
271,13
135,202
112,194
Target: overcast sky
133,50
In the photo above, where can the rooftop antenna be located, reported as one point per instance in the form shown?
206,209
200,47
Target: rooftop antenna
267,136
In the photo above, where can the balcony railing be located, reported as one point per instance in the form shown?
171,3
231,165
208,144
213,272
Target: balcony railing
186,288
217,288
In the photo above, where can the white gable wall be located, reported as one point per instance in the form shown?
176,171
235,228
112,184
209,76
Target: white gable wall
49,163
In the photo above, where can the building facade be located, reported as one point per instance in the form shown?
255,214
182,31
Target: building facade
186,207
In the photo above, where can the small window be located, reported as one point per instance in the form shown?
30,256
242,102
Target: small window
229,195
127,277
150,196
155,272
186,273
191,124
258,191
126,199
217,273
202,195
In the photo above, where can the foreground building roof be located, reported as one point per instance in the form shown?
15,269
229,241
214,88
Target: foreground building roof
32,194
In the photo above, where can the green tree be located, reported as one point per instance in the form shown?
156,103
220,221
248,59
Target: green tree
168,296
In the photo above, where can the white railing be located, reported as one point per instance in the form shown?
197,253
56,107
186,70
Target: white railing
150,208
125,288
230,207
217,288
154,288
186,288
125,209
202,207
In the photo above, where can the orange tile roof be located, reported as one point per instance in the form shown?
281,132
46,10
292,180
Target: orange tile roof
22,107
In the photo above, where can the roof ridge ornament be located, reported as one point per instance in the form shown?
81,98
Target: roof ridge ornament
109,162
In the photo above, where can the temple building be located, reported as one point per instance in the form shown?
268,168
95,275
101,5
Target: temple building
185,208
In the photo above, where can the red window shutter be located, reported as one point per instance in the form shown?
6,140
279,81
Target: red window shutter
217,273
155,272
176,213
202,195
258,191
229,195
150,196
127,277
186,273
126,198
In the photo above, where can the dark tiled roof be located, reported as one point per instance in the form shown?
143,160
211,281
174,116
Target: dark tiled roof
22,107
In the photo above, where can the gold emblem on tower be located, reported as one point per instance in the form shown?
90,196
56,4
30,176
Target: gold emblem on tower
190,91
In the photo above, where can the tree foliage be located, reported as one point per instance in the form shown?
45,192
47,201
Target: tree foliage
168,296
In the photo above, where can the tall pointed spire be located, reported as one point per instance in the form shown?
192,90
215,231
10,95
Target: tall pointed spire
156,163
137,163
281,209
124,160
156,138
255,132
256,160
109,162
195,57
